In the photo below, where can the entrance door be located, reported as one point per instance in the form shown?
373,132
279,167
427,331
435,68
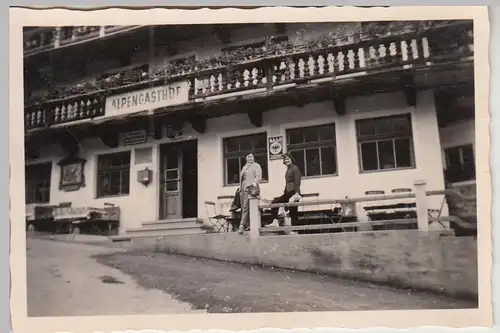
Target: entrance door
171,182
179,180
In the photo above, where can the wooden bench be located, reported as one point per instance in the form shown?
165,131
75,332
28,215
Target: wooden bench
392,211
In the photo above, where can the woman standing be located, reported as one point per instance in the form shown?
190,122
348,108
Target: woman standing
293,178
250,175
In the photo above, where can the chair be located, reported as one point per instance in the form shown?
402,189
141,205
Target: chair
218,221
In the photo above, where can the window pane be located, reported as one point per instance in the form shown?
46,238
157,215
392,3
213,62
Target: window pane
326,133
453,158
126,158
328,161
246,144
298,156
172,160
312,162
295,137
104,184
37,183
243,161
260,142
115,183
231,145
403,153
172,174
384,126
125,176
233,170
311,134
468,154
262,160
366,127
401,124
172,185
386,154
115,160
103,162
369,159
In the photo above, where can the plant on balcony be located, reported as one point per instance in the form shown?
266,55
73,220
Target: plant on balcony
241,55
85,30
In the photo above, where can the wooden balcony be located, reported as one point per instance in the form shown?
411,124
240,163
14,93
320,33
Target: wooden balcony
46,38
275,67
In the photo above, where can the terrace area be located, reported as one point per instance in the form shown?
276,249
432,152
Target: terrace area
414,56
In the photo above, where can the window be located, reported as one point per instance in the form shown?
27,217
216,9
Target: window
313,149
113,174
385,143
37,183
460,163
236,148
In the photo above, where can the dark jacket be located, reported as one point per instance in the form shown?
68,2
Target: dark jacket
292,179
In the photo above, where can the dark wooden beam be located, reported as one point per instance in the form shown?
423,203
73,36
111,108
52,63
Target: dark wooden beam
109,135
199,123
338,99
156,128
69,142
256,117
339,105
410,90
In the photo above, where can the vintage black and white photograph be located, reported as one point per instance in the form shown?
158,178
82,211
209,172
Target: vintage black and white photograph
274,167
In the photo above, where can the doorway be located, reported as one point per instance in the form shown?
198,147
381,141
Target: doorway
179,180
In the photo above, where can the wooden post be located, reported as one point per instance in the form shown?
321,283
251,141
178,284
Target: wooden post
422,210
57,37
255,224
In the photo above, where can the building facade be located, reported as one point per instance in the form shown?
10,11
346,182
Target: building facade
157,125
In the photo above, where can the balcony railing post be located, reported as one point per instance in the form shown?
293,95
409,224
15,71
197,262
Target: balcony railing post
254,213
361,216
57,37
422,209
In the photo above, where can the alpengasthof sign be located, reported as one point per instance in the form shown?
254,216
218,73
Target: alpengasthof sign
147,99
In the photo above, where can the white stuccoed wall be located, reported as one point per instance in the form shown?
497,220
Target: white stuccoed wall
142,203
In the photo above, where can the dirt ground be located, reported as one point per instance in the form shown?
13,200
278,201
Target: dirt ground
64,280
228,287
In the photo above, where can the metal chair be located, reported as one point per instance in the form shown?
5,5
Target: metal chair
218,221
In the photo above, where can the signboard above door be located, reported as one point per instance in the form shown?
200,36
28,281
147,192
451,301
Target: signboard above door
147,99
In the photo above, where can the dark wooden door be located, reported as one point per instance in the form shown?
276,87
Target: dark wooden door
171,182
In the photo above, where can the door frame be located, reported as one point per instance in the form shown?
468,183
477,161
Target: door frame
159,165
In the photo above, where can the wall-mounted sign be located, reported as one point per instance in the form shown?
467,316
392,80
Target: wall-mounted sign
135,138
72,174
147,99
275,147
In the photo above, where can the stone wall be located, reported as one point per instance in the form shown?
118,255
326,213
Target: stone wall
410,258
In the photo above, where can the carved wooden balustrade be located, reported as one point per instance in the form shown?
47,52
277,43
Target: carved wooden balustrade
69,35
447,44
64,111
400,51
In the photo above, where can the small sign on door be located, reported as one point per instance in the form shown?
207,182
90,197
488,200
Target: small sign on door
275,147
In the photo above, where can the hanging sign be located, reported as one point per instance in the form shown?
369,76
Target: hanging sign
275,147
